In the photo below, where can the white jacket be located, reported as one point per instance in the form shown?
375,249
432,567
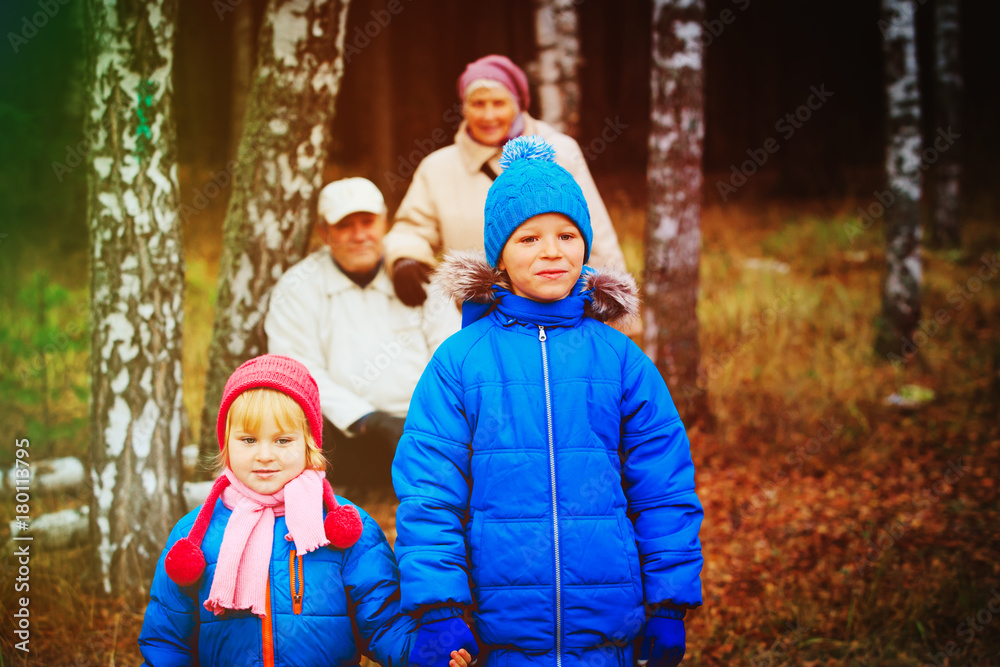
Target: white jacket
364,347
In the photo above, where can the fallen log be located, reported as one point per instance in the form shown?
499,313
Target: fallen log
51,476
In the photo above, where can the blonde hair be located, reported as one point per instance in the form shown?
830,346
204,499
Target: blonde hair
246,412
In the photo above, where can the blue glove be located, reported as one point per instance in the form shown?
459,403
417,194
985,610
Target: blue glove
662,643
436,640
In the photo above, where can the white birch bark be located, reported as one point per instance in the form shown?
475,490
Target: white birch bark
557,70
901,285
673,235
278,176
137,287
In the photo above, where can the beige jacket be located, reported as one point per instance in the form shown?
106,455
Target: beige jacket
443,209
365,349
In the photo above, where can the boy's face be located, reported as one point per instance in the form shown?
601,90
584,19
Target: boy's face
544,257
268,458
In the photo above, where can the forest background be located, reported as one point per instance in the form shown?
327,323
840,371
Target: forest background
831,534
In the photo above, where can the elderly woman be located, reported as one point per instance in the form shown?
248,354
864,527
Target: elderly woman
443,209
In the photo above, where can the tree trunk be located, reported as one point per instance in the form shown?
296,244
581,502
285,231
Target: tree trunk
673,236
556,72
279,173
901,286
136,289
948,86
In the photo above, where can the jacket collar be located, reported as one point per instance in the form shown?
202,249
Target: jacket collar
474,154
607,295
339,282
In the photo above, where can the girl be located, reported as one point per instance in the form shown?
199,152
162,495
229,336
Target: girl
545,478
257,576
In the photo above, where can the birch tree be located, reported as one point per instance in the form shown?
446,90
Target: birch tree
673,235
136,288
901,284
556,72
948,88
279,172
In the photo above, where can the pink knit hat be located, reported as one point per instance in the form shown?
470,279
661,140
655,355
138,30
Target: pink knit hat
500,69
284,374
185,562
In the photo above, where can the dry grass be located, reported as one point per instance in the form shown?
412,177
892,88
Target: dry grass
807,463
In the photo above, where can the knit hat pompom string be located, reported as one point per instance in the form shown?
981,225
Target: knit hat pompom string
185,562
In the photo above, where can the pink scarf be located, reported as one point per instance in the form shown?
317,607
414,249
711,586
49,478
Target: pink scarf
241,574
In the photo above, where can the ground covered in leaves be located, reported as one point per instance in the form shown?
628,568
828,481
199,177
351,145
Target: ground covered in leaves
842,526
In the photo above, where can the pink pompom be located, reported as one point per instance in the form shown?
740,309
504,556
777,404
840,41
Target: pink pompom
184,562
343,526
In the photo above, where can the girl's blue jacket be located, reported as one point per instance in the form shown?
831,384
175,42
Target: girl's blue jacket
545,478
349,606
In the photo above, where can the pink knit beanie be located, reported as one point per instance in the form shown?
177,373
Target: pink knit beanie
284,374
500,69
185,562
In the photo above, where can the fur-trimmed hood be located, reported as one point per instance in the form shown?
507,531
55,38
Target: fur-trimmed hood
611,294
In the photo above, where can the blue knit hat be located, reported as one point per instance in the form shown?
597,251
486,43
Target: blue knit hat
531,184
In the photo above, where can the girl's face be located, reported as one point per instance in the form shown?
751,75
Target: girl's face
267,458
544,257
490,112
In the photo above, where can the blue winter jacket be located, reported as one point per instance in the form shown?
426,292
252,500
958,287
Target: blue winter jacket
545,478
349,606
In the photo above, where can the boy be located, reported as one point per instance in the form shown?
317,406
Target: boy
544,476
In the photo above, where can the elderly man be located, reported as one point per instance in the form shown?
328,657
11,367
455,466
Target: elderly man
337,313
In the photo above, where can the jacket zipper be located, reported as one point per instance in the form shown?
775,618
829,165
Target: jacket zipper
555,502
298,591
266,630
